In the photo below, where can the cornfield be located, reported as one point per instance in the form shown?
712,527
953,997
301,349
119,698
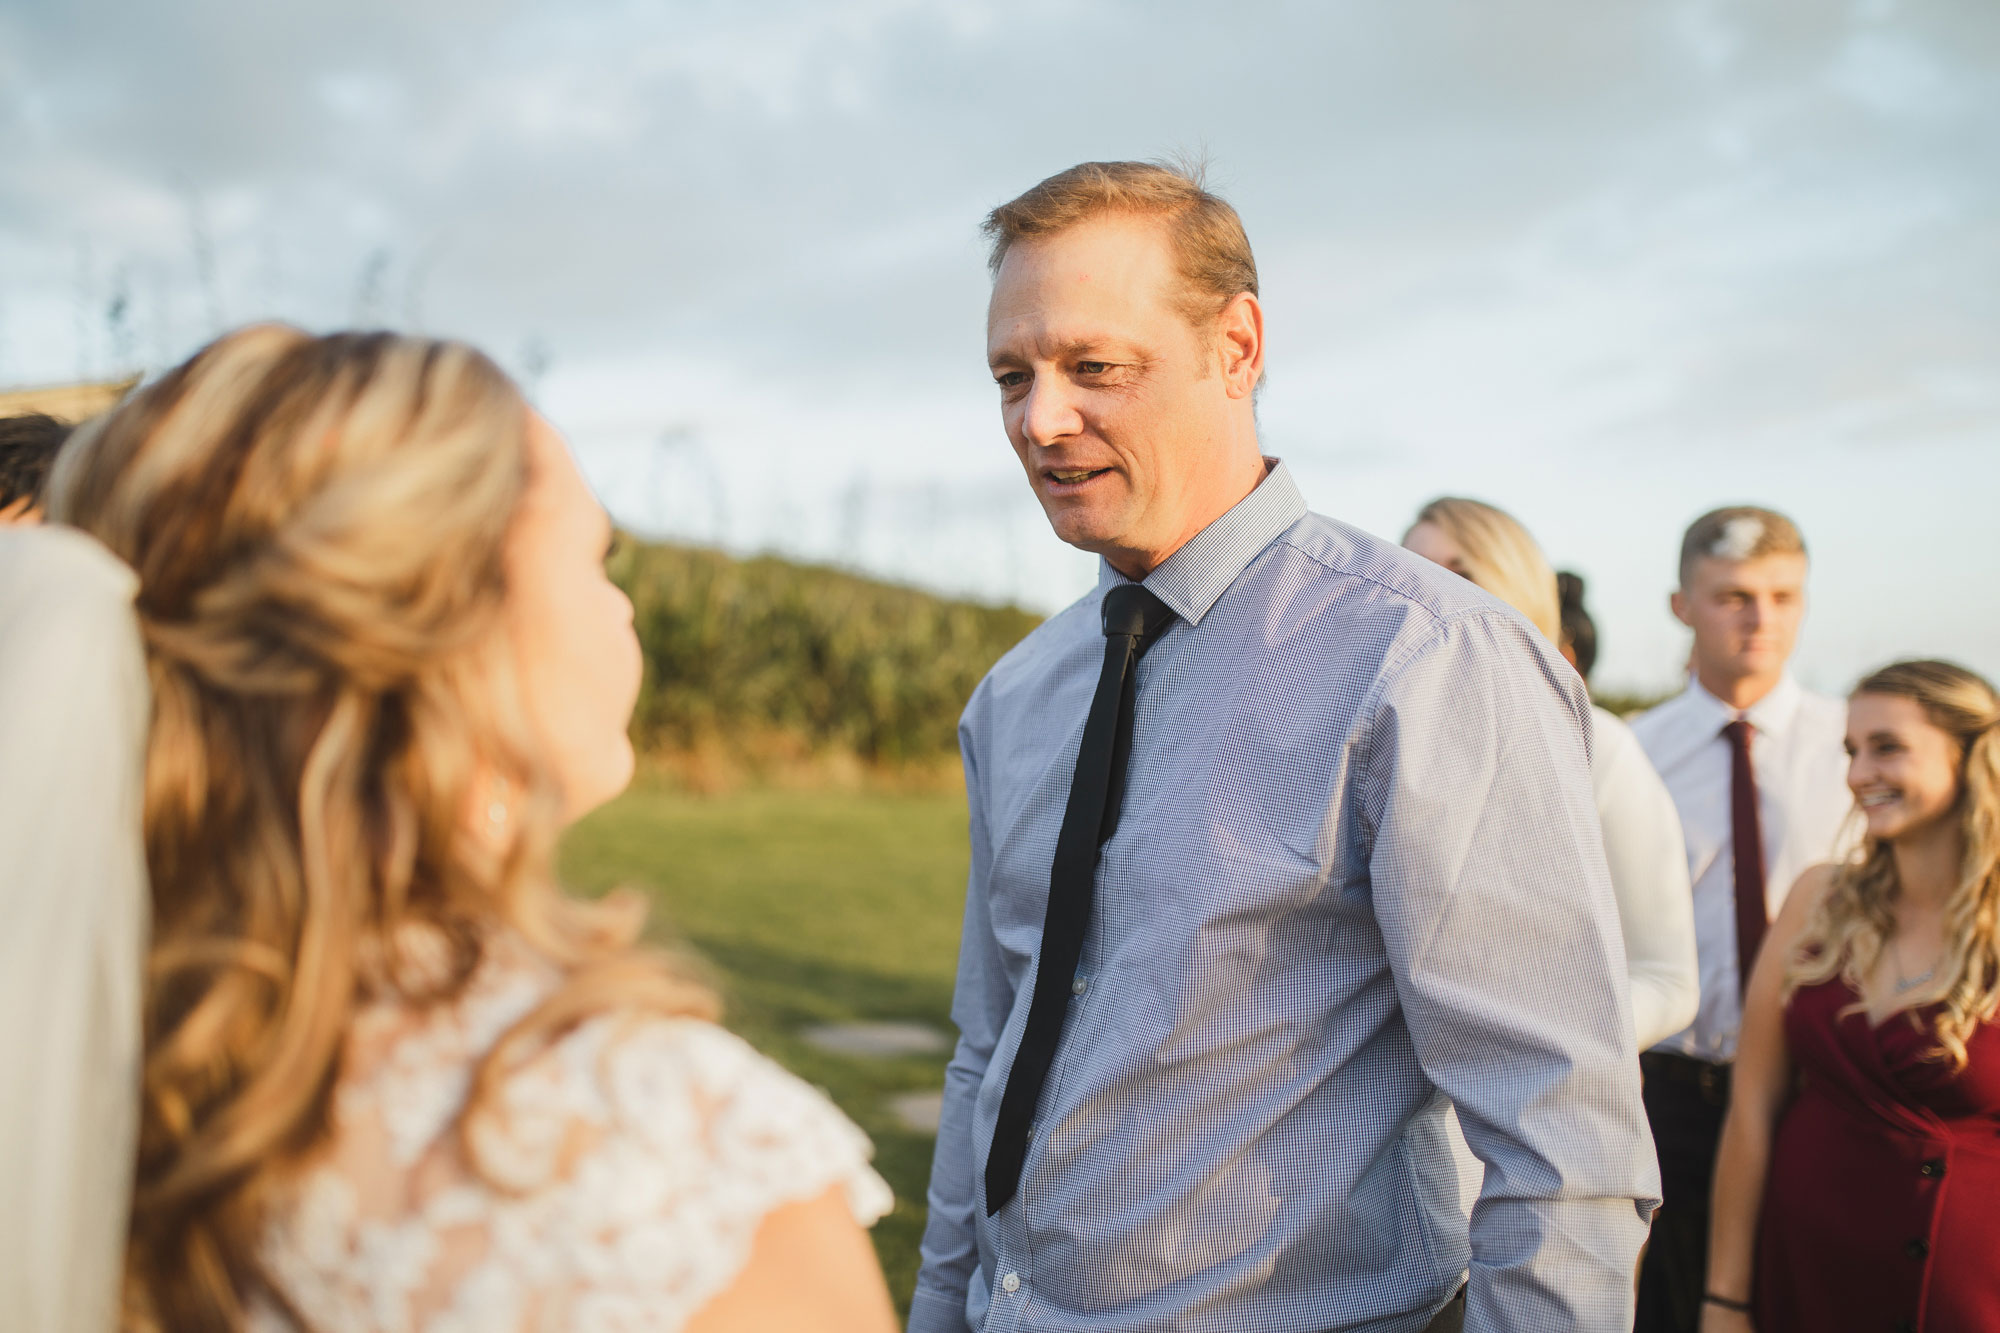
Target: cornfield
830,660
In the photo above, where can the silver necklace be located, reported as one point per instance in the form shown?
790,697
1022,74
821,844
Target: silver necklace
1907,983
1918,980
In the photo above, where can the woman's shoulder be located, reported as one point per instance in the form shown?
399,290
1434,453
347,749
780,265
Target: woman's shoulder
679,1091
675,1115
647,1134
1808,891
624,1164
1613,741
689,1091
1627,786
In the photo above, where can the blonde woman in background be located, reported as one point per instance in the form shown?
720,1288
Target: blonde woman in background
1860,1156
392,1077
1642,832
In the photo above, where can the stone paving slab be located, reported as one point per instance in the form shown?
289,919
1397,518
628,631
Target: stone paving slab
882,1041
918,1111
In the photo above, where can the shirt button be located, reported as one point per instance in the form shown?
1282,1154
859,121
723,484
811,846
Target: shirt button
1931,1169
1011,1283
1917,1248
1079,986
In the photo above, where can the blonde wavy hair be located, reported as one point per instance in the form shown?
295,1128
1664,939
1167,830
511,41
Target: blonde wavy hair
1501,557
1847,930
318,527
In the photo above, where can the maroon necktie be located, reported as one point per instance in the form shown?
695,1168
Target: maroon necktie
1746,839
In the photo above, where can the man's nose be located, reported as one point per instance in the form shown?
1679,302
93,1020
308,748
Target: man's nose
1049,413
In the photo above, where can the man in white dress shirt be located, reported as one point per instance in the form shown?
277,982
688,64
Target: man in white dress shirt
1756,767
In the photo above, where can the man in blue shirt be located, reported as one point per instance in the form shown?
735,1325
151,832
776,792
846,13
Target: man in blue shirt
1282,842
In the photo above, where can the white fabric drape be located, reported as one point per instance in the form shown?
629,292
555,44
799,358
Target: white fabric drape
73,925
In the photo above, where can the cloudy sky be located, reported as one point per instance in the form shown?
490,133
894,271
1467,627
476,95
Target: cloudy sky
1607,265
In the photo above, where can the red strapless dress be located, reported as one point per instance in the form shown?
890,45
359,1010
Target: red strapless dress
1882,1212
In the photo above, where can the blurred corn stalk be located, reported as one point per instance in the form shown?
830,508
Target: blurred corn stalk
739,651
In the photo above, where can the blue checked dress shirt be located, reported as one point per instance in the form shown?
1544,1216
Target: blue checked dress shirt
1358,873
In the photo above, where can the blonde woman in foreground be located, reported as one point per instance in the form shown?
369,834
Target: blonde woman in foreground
1642,831
393,1078
1860,1158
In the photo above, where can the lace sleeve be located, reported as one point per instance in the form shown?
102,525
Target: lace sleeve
636,1160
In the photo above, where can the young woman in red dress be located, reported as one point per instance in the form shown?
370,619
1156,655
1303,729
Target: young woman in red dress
1860,1160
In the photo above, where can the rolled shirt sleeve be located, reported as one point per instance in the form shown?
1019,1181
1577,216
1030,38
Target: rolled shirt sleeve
1495,906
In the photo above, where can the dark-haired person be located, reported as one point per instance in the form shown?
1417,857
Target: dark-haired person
1261,828
1579,631
1860,1160
28,446
1754,764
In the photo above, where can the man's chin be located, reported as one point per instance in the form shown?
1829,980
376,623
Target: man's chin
1083,528
1752,666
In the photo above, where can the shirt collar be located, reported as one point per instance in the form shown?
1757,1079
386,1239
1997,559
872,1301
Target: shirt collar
1193,579
1771,715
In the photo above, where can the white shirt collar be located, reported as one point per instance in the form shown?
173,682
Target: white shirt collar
1771,715
1698,717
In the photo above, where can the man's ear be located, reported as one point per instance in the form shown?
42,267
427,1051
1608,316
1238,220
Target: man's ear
1677,602
1239,338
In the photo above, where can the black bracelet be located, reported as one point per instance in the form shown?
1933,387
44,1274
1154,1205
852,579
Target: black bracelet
1740,1307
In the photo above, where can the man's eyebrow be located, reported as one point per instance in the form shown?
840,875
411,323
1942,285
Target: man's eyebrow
1075,349
1093,349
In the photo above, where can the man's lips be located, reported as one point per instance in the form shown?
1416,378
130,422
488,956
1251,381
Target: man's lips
1068,480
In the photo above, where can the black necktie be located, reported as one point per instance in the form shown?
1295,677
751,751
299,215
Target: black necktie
1133,619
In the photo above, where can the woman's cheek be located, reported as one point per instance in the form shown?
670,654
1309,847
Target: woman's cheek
623,657
620,668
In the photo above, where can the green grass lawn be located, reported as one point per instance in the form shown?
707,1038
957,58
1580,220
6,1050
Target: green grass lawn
812,907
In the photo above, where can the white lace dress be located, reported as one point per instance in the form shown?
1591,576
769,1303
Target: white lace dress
639,1156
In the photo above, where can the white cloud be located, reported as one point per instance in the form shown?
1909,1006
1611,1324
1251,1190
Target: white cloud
1605,265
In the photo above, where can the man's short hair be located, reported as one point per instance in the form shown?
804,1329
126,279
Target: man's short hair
1739,532
28,446
1211,251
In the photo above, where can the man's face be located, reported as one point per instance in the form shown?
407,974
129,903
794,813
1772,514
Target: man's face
1114,405
23,513
1745,614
